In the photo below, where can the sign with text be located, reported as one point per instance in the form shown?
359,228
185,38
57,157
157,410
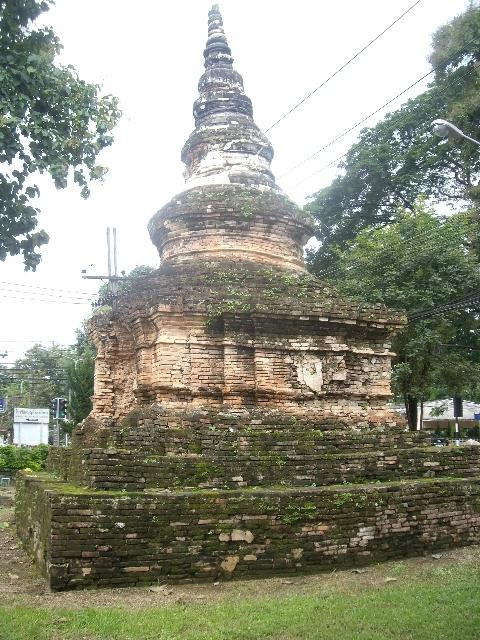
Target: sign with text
3,404
23,414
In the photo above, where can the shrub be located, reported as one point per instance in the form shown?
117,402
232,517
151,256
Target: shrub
14,458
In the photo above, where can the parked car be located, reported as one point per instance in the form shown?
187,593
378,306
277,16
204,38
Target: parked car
440,442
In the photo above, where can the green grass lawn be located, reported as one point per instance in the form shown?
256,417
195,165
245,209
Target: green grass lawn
441,605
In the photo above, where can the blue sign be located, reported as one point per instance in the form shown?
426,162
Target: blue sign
476,416
3,405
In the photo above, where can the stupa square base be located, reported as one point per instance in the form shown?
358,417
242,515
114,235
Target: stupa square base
82,538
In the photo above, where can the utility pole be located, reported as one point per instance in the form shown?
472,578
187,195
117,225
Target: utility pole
112,278
115,251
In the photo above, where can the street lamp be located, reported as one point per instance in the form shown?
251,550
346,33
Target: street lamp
442,128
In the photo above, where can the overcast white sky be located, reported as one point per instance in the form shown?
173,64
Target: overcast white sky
149,54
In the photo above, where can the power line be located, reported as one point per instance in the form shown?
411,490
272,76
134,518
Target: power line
48,301
30,295
49,294
39,340
344,133
326,166
53,289
426,234
457,346
364,119
344,65
7,380
15,376
469,302
35,369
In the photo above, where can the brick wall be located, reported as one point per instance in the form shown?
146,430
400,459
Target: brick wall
134,470
242,336
100,539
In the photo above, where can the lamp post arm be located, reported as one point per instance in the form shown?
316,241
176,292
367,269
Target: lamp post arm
442,127
464,135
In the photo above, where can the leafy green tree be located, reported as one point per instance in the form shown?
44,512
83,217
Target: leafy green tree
80,373
50,121
34,380
105,292
45,373
418,262
399,159
39,376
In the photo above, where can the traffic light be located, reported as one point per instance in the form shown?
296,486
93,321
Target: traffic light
58,408
54,408
62,408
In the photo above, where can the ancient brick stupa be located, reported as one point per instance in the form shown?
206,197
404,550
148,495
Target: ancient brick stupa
234,393
232,319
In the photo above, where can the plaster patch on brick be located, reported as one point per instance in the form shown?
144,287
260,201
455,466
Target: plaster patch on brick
309,371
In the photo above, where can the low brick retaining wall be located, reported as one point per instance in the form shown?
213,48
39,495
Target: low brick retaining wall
126,469
84,538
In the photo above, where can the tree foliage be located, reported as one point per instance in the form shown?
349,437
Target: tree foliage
45,373
418,262
14,458
106,293
39,376
80,374
50,121
398,160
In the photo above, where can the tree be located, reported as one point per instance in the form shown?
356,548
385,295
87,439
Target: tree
418,262
50,121
45,373
399,159
80,375
105,292
34,380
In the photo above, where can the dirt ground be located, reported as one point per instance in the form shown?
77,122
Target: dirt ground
21,584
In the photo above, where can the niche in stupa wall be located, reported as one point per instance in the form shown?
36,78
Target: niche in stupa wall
123,372
369,373
145,332
239,368
273,370
206,366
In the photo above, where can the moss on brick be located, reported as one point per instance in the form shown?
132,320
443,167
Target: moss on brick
170,535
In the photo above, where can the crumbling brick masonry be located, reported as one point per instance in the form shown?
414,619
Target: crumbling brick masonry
240,422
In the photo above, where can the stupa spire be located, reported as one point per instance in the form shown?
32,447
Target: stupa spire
226,145
217,52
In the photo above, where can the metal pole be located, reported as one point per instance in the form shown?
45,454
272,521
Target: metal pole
115,251
108,251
